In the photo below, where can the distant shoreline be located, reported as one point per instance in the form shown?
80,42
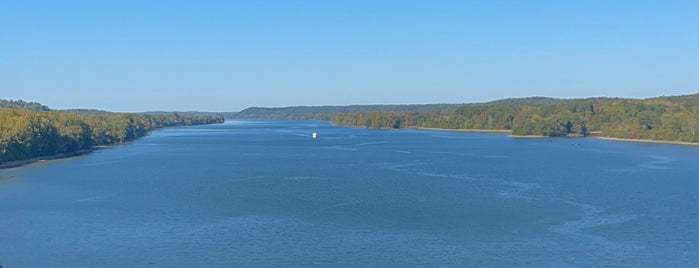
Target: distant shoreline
498,131
24,162
20,163
504,131
530,137
647,141
466,130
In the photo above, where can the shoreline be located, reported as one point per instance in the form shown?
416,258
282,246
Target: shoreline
24,162
495,131
40,159
646,141
546,137
530,137
465,130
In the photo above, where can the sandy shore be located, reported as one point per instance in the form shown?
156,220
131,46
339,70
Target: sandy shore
19,163
647,141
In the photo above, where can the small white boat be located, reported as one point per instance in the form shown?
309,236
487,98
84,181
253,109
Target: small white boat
314,135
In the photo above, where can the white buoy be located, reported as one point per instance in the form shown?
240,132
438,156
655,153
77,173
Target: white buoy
314,135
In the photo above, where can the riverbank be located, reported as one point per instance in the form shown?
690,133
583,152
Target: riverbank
499,131
24,162
546,137
465,130
647,141
530,137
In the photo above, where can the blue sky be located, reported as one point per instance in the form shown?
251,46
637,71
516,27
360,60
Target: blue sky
229,55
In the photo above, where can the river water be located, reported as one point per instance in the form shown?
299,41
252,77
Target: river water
264,193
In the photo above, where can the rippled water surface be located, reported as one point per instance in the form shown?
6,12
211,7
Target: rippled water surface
264,193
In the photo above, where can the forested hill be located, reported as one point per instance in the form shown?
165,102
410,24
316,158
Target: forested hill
20,104
326,112
28,133
536,101
673,118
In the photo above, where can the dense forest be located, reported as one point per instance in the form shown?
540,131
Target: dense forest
327,112
27,132
663,118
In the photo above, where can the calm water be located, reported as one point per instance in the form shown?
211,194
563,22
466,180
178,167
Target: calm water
263,193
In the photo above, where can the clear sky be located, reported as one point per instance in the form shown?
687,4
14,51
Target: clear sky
229,55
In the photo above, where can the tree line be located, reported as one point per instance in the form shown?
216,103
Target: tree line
27,134
663,118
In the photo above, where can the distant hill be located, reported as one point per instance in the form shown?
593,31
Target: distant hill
20,104
326,112
86,111
35,106
533,101
179,112
524,101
